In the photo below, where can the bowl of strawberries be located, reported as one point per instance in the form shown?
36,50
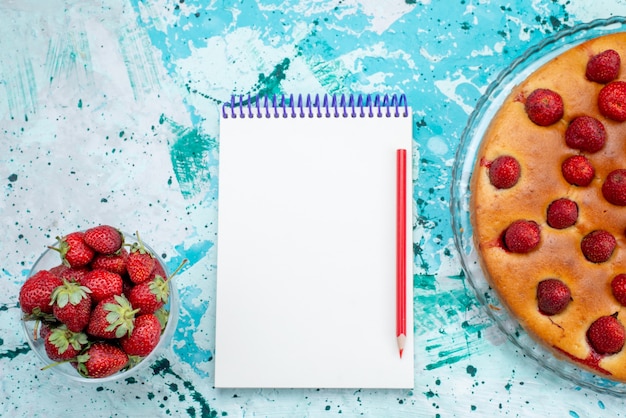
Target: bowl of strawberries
98,305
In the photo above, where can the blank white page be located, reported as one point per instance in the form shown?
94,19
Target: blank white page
306,253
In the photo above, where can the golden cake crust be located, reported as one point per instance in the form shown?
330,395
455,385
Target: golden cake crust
540,152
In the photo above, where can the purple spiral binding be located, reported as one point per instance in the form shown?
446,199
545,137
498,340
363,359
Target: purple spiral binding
308,106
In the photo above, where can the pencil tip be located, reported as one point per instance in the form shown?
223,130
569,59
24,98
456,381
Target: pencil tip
401,342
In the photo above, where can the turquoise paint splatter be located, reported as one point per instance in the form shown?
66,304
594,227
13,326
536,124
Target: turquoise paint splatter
17,351
193,158
430,394
425,282
436,308
446,361
445,310
162,367
193,254
190,353
270,84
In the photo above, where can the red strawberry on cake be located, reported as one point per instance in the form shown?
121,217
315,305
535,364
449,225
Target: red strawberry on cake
614,187
606,335
562,213
585,133
618,288
603,67
544,107
522,236
612,100
504,172
577,170
553,296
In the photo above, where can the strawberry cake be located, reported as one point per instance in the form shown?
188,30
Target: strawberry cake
548,205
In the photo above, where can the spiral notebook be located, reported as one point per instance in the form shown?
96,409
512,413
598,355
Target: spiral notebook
306,248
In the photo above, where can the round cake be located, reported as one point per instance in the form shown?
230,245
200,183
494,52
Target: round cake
548,205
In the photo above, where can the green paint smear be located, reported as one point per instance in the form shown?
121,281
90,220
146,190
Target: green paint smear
439,309
163,367
331,74
425,282
11,354
471,370
269,85
446,361
190,154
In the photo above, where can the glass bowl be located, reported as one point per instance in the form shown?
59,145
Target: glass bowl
465,160
50,258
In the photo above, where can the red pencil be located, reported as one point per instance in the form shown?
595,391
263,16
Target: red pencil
401,249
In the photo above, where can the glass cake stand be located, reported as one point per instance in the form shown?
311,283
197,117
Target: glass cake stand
465,160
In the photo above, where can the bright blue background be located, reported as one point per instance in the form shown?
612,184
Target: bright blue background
110,115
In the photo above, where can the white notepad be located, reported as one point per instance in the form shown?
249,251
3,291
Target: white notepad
306,251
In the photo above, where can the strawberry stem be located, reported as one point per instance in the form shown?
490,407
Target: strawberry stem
48,366
180,266
35,330
139,246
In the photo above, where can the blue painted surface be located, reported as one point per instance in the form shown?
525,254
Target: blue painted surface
110,115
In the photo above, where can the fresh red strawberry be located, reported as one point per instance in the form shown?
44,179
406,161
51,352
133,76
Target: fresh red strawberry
149,295
104,239
544,107
614,187
152,294
36,292
127,286
112,317
144,338
102,283
101,359
612,100
562,213
70,273
159,271
44,331
140,262
522,236
62,344
504,172
606,335
111,262
74,252
618,288
585,133
603,67
58,270
71,305
553,296
578,171
598,246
